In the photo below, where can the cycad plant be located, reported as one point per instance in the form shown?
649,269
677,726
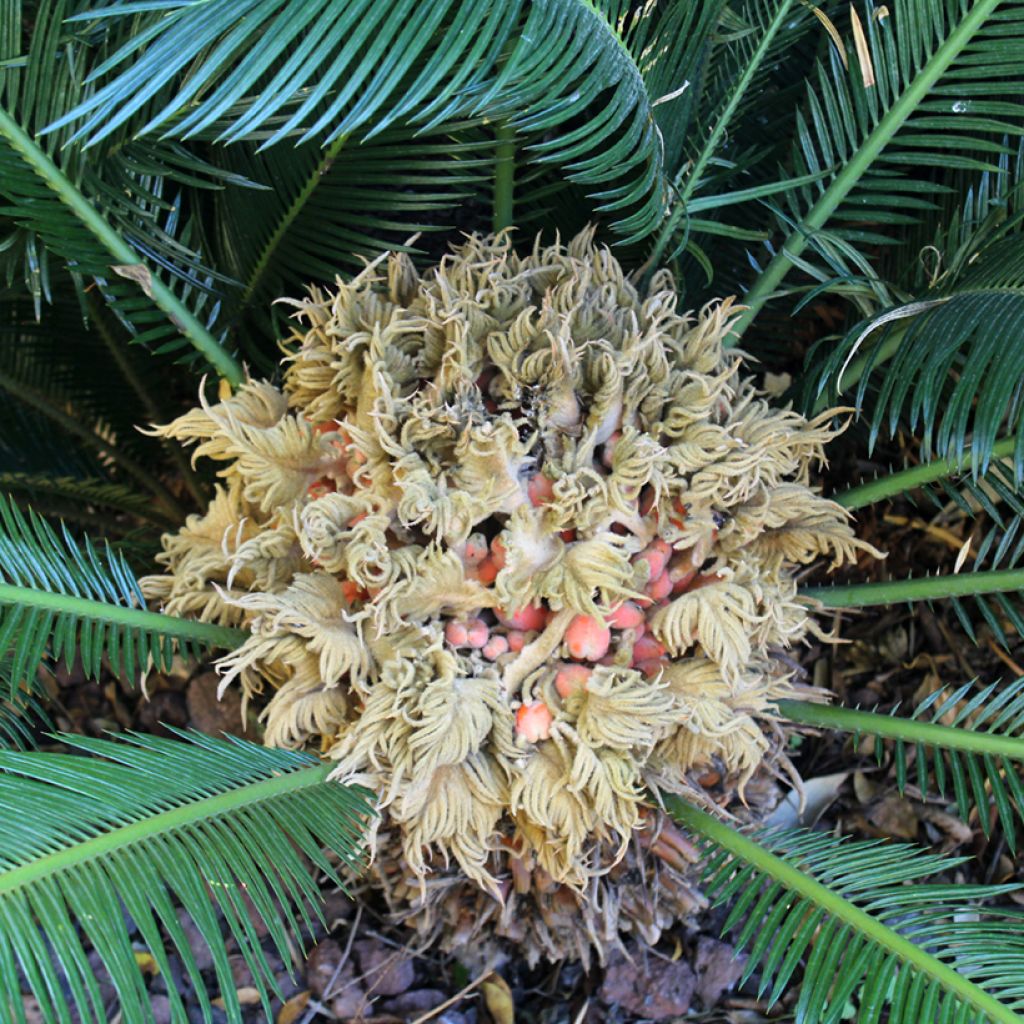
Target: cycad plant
170,167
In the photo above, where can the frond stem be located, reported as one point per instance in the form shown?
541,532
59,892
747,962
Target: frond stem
927,588
504,176
173,820
153,411
764,287
917,476
179,314
790,876
910,730
208,633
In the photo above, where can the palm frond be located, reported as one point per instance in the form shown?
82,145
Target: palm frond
62,599
79,497
917,588
913,952
112,223
951,376
977,755
59,354
877,123
726,161
325,209
79,234
38,394
145,823
559,72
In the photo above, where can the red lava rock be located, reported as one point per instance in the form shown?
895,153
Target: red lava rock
650,987
240,973
210,715
342,989
351,1002
165,707
386,971
196,943
718,969
337,908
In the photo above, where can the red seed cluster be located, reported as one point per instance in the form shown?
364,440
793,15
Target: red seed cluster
618,637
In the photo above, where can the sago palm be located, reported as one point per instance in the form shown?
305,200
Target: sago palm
170,168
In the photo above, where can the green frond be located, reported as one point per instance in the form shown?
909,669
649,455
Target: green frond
80,367
112,222
950,375
906,953
944,474
218,827
920,106
80,498
62,599
917,588
49,415
326,209
977,756
559,72
746,44
972,212
79,234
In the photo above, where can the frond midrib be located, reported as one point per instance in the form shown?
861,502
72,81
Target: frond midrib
41,164
901,481
925,588
161,823
288,218
710,145
91,438
909,730
133,618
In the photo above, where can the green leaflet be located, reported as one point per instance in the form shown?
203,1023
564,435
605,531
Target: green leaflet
977,754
